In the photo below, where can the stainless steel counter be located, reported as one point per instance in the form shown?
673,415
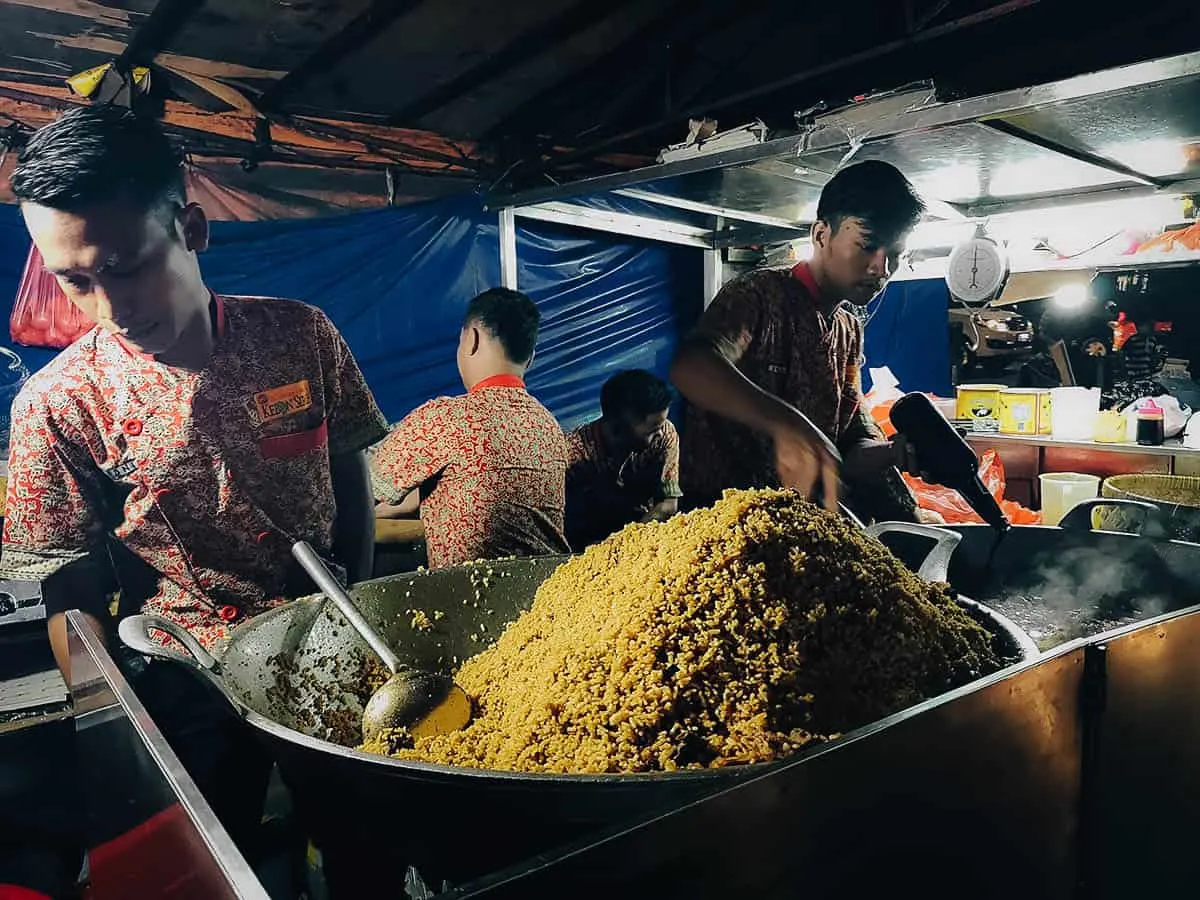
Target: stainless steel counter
1073,776
1172,448
148,830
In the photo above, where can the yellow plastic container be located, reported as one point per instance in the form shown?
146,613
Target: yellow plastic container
979,404
1020,411
1111,427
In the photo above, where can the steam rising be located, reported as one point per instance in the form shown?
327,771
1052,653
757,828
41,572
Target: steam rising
1082,591
1099,585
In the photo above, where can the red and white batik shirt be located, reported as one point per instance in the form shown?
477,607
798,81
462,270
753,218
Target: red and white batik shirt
491,467
207,476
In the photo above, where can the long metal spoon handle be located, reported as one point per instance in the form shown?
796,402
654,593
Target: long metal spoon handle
854,520
317,571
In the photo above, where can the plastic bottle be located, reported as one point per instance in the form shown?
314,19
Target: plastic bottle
1150,425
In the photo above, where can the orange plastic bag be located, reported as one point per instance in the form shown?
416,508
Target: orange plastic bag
881,413
956,511
1185,238
42,316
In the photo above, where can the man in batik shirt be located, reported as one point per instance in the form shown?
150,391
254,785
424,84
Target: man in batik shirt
624,466
485,469
177,450
772,371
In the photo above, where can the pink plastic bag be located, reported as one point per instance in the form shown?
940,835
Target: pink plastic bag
42,316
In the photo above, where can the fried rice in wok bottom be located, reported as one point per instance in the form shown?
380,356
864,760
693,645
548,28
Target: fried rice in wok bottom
729,635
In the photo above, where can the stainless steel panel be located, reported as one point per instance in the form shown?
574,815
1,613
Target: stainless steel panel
699,206
751,189
974,796
972,163
1140,116
784,147
149,831
1142,837
1154,129
508,249
616,223
20,602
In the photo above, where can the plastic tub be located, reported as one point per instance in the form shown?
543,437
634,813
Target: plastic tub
1063,491
979,405
1024,411
1073,413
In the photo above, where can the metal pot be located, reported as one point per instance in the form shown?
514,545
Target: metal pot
451,823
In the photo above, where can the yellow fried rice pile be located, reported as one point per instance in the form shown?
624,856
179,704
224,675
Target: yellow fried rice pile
728,635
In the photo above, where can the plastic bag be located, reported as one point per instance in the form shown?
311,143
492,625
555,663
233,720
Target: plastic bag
1191,434
885,391
1181,239
42,316
950,505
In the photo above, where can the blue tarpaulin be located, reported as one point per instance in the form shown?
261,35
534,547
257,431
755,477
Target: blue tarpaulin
396,283
908,332
609,305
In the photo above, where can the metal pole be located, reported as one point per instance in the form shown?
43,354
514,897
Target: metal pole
714,274
508,248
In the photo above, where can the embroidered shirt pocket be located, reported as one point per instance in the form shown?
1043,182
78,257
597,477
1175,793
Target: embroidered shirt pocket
289,446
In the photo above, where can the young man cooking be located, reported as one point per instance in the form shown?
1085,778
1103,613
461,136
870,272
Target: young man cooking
485,469
771,372
624,466
177,450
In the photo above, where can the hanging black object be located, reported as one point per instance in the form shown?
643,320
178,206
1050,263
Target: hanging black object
944,457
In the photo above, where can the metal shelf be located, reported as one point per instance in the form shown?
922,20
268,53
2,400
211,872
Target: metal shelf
1125,132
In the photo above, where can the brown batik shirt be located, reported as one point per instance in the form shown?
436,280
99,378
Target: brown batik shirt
203,479
768,324
607,490
491,467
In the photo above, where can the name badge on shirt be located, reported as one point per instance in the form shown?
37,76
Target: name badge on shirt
281,402
122,469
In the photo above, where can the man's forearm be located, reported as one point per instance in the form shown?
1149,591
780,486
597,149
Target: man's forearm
85,585
662,510
861,429
408,508
711,382
60,646
354,526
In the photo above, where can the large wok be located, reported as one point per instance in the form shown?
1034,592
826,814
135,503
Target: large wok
1071,581
373,816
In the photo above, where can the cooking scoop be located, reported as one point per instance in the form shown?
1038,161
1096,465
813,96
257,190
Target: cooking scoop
425,703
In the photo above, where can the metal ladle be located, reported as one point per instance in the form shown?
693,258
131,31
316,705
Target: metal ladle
425,703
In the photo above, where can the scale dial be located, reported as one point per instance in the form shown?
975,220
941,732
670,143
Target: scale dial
976,270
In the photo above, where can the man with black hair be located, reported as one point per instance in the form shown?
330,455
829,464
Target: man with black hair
624,466
485,469
177,450
772,371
